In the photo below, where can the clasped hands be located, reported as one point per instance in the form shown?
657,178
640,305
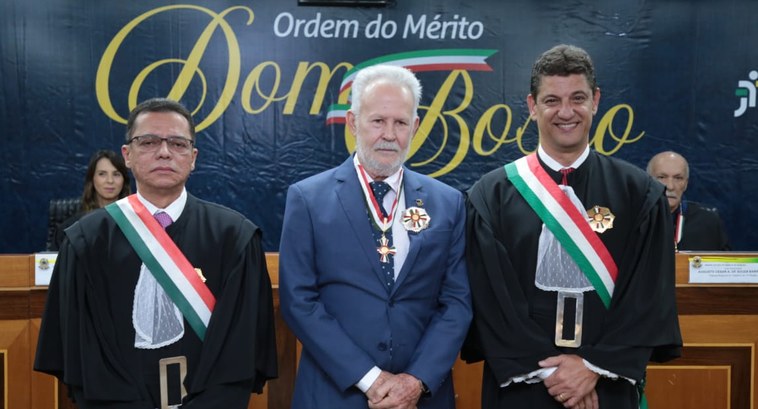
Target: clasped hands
572,384
390,391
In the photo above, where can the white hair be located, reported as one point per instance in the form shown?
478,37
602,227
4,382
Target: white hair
387,73
669,155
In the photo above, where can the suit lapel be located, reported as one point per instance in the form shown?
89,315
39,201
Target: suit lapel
350,195
415,196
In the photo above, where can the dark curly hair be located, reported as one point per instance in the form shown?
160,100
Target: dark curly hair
563,60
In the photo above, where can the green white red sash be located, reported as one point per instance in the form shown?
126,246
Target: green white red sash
165,261
568,225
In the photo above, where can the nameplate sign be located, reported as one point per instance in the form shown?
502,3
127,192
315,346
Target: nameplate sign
43,267
723,270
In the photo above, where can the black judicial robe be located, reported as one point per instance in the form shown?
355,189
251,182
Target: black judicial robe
59,234
514,321
703,229
87,336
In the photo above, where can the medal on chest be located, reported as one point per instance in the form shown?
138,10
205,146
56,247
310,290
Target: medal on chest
383,223
600,218
384,249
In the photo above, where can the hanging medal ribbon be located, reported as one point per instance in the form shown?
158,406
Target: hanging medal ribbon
678,228
382,223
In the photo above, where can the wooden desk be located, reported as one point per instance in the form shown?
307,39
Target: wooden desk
719,325
717,370
21,306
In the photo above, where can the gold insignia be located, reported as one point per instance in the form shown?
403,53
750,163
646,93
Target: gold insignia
600,218
419,202
200,274
697,262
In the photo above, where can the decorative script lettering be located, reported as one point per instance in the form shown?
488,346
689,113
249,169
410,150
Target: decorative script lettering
444,125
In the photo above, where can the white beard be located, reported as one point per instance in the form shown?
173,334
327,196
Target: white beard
377,168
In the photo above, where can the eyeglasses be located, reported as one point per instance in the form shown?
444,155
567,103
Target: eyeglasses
151,143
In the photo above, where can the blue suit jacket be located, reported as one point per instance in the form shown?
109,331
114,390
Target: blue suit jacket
333,297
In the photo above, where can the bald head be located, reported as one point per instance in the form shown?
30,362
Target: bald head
671,169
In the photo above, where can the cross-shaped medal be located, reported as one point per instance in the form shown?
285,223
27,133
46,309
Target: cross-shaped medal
385,250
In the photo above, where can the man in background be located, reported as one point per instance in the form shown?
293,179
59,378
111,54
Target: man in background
696,227
160,284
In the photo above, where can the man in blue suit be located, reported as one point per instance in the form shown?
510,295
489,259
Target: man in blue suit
372,272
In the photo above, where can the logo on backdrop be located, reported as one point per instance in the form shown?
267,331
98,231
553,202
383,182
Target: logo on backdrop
746,91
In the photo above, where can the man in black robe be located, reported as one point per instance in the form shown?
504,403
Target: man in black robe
508,251
696,227
88,338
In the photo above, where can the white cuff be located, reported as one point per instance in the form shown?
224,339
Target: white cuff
365,383
607,374
532,377
541,374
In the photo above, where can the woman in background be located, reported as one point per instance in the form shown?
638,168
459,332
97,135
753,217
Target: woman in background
106,181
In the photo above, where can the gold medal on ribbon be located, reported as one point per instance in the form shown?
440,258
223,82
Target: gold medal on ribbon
600,218
384,250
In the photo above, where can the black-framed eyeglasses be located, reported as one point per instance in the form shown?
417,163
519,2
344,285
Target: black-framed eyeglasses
151,143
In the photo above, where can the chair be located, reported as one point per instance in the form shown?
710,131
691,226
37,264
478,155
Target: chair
58,211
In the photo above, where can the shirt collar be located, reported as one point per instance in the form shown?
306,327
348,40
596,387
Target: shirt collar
554,165
174,210
393,180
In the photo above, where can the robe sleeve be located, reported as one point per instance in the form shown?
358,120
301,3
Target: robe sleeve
642,323
502,333
720,235
49,357
239,351
77,342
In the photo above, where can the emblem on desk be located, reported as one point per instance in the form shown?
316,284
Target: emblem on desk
44,263
697,262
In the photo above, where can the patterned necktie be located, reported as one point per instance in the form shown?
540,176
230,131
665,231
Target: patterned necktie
380,189
163,218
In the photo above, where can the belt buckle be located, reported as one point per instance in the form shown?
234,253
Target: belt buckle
563,296
162,367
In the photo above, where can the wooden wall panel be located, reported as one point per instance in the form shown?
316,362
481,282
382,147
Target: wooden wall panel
3,377
16,270
44,387
712,300
259,401
720,374
14,343
689,387
467,380
14,304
